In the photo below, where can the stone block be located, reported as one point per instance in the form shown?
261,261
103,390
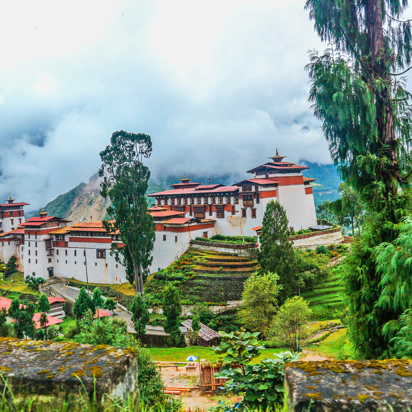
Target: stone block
369,385
52,372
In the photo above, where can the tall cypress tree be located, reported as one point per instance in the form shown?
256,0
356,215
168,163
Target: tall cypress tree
276,252
140,315
125,182
172,309
82,304
359,96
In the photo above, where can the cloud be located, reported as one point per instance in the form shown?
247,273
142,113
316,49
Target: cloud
218,85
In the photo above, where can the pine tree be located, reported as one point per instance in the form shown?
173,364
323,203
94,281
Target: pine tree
276,252
140,315
43,304
366,118
14,308
110,304
97,300
82,304
172,309
125,182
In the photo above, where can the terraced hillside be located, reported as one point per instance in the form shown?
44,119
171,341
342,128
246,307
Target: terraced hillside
204,276
327,299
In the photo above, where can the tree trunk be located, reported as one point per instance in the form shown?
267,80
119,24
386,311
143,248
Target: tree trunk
380,60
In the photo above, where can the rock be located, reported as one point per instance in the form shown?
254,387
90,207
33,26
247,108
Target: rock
330,386
51,372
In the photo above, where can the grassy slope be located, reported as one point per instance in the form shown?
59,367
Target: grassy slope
181,354
333,346
326,299
16,284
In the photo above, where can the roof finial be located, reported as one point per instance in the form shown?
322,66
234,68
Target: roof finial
10,200
277,152
43,213
210,180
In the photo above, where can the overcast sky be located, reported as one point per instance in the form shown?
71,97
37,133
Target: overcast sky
219,85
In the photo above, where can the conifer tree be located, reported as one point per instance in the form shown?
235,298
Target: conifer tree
358,93
43,304
110,304
276,252
97,300
172,309
140,315
82,304
125,182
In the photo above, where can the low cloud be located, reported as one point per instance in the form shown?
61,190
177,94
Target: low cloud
218,85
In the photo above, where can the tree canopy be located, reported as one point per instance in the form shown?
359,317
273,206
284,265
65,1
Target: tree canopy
359,94
172,309
125,182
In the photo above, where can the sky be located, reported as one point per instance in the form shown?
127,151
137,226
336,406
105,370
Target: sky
218,85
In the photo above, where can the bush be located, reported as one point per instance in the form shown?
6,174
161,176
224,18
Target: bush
322,250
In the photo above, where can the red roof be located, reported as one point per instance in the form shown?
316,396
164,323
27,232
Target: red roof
266,181
53,299
278,166
14,204
166,214
257,228
196,190
101,314
178,221
207,187
50,320
5,303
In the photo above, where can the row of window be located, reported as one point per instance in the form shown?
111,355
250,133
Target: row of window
50,261
196,201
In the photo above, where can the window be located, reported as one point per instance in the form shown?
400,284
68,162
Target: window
75,262
57,260
106,264
210,210
233,210
36,261
220,199
49,260
57,252
199,212
19,220
236,200
176,239
164,238
29,244
66,262
75,252
84,253
257,198
101,254
117,266
190,211
35,253
35,235
12,221
220,212
246,188
35,244
205,235
95,263
29,260
29,252
65,252
243,212
254,213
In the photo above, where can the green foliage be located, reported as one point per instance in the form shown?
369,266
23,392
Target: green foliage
82,304
43,304
289,325
23,319
312,267
366,117
140,315
172,310
6,329
125,182
97,299
34,282
110,304
11,267
259,302
260,384
276,252
229,239
203,312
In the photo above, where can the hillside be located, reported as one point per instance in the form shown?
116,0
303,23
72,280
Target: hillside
84,201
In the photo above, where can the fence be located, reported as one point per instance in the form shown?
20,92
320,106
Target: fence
208,382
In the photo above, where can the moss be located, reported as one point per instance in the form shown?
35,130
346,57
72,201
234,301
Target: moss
312,387
44,371
96,371
316,395
362,398
403,372
78,373
4,369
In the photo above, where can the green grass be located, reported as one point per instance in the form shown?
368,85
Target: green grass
326,300
15,283
67,323
181,354
333,346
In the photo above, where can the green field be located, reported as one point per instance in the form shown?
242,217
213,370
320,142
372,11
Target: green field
327,299
181,354
15,283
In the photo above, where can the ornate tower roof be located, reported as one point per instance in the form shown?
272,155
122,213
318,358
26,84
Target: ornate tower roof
277,158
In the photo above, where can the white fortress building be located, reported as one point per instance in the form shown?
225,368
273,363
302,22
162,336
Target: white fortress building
46,246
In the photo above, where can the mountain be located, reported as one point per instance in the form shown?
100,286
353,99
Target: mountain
327,182
84,201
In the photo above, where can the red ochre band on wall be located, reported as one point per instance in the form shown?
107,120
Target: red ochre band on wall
308,190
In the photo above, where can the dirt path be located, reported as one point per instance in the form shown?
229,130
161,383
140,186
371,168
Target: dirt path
307,355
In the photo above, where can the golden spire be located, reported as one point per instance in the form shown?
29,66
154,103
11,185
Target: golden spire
277,152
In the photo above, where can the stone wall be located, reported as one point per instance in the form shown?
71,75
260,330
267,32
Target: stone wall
313,240
333,386
51,372
231,248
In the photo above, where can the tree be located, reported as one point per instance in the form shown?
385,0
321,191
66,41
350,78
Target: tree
260,384
110,304
23,319
193,332
366,118
276,252
259,302
82,304
125,182
97,300
325,215
312,266
289,325
43,304
140,315
14,308
172,309
11,267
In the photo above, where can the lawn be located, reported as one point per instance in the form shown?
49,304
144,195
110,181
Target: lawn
181,354
333,346
67,323
15,283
